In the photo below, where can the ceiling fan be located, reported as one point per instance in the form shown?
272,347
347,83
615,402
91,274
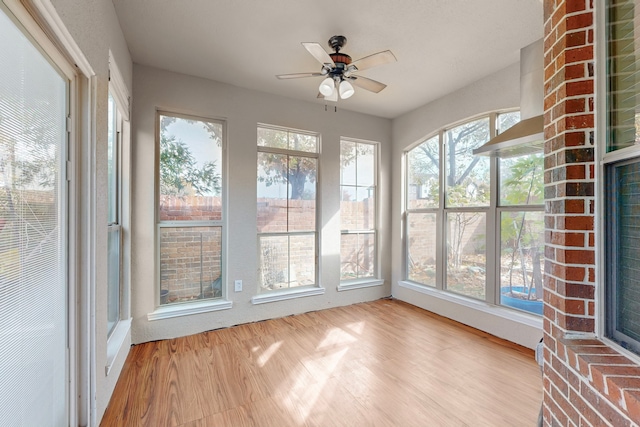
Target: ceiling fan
340,70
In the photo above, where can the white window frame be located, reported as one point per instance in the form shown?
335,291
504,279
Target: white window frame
604,159
492,211
189,308
375,279
300,291
118,90
64,53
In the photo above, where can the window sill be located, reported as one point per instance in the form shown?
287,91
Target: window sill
115,342
610,372
347,286
187,309
505,313
285,295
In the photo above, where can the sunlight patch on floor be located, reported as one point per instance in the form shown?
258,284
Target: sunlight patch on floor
266,355
336,337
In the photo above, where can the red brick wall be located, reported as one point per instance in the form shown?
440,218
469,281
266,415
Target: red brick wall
190,208
586,382
190,257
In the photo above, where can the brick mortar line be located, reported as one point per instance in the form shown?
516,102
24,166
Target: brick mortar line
566,399
586,382
604,393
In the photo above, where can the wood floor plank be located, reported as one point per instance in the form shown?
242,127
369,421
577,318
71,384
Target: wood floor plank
382,363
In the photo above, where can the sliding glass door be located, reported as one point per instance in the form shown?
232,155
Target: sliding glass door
34,105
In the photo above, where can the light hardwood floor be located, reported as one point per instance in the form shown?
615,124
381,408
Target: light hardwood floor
383,363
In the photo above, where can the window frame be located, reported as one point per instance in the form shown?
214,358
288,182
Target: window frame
608,161
115,226
184,308
37,28
611,255
305,290
492,211
117,90
373,280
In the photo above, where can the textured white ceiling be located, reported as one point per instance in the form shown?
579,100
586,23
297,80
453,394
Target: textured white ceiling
441,45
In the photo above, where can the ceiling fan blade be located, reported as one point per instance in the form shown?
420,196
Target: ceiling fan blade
297,75
376,59
367,84
319,53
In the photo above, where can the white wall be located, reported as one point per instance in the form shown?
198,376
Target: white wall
242,110
495,92
94,27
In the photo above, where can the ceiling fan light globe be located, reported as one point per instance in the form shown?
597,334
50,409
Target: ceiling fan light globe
333,97
327,86
346,90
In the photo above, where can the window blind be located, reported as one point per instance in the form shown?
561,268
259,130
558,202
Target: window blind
33,304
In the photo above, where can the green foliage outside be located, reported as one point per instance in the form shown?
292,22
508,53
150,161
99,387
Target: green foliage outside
522,232
281,168
180,174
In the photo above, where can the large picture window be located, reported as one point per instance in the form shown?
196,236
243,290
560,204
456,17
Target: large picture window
190,208
622,174
460,206
358,254
287,204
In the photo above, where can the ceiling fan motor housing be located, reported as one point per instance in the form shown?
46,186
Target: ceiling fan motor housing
341,60
337,42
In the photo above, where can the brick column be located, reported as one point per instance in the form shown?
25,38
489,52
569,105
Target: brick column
586,382
569,167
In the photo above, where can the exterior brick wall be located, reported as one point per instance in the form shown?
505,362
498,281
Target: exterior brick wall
190,208
586,382
190,257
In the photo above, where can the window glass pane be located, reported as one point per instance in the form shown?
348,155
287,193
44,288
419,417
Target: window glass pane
190,169
467,175
302,260
286,261
366,205
286,140
466,258
348,162
421,237
286,193
521,260
33,235
357,256
113,278
350,214
624,292
273,138
366,165
522,180
623,75
506,120
190,263
302,194
358,211
274,262
423,175
112,163
358,208
303,142
272,193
